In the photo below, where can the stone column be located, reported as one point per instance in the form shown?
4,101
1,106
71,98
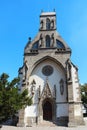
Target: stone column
40,113
75,110
54,111
22,111
71,105
21,118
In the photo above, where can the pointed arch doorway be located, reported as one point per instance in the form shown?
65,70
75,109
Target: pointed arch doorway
47,105
47,110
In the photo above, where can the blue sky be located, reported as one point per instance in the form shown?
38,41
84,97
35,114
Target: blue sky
19,19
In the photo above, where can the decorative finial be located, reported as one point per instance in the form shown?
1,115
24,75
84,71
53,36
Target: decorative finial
54,10
42,11
29,39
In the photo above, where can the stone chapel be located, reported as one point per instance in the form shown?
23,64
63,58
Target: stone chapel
51,78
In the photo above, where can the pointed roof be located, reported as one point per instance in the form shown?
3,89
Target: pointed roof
46,93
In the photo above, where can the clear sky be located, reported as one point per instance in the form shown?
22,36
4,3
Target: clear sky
19,19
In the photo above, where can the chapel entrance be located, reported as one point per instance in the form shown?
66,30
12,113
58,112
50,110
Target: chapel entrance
47,111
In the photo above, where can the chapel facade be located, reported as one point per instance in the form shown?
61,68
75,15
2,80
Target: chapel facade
51,78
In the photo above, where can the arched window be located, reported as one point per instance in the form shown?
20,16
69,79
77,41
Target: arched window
59,44
48,24
35,45
47,41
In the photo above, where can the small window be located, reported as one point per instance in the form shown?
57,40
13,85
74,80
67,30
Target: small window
48,24
61,86
35,45
59,44
47,41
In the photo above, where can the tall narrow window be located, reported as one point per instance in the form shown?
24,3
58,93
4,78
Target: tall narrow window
61,86
47,41
48,24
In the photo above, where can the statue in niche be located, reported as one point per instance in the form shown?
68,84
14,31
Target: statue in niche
52,40
33,84
41,41
41,24
52,24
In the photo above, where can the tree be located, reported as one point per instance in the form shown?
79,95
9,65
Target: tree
10,99
84,93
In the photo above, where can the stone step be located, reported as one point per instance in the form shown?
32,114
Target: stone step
47,123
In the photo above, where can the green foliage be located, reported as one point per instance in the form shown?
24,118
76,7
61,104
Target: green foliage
10,99
84,93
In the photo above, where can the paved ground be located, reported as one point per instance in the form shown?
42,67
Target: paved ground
45,127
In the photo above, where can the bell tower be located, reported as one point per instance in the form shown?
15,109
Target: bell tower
48,29
48,21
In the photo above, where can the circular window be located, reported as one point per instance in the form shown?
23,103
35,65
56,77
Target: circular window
47,70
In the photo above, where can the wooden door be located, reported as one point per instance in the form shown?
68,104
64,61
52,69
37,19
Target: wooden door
47,111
